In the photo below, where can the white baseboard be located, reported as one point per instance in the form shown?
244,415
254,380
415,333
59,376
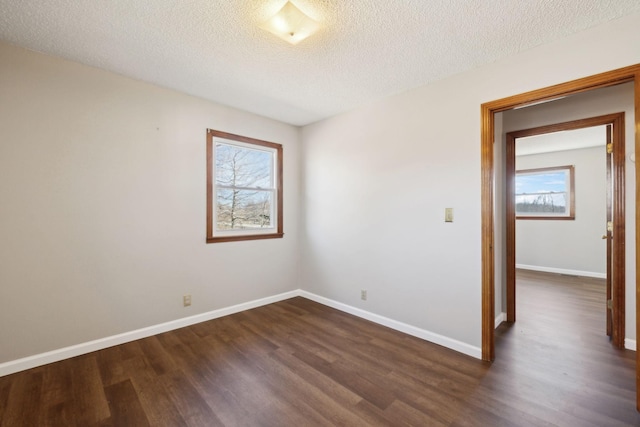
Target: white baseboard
18,365
398,326
500,318
562,271
29,362
630,344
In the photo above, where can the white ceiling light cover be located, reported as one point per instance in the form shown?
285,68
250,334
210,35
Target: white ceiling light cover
291,24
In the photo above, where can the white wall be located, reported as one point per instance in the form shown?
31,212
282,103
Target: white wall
575,246
102,206
102,190
377,181
591,104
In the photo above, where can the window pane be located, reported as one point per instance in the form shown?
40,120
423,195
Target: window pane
243,167
244,209
541,203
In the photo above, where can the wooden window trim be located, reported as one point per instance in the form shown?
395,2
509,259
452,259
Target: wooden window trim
211,236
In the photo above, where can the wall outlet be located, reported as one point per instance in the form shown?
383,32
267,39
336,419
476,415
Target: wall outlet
186,300
363,295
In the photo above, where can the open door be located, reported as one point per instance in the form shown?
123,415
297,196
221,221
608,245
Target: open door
488,111
615,234
608,228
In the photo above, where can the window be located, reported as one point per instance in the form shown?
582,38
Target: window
545,193
244,188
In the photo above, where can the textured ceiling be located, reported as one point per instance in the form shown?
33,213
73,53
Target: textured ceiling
365,50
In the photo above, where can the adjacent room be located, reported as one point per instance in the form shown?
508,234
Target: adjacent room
310,213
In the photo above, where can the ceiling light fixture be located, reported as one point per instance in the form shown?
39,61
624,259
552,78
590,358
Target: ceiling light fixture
291,24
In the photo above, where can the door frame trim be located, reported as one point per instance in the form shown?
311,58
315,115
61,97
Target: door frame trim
487,115
616,120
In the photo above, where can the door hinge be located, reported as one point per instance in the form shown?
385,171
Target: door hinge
610,148
609,304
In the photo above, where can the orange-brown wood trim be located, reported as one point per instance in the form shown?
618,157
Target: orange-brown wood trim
607,236
546,218
280,192
209,185
510,226
619,240
636,149
487,113
618,269
247,237
488,256
610,78
211,133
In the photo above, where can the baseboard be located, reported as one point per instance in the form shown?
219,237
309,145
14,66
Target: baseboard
102,343
630,344
29,362
398,326
563,271
500,318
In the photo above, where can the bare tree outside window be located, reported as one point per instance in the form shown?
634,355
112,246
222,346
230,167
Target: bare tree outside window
244,188
546,193
244,180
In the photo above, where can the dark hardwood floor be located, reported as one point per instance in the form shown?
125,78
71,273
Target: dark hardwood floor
298,363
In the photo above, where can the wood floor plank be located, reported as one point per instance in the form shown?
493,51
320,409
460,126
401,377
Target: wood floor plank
24,403
369,388
124,405
61,414
437,404
57,382
246,392
287,385
373,415
89,402
110,363
153,395
299,363
189,402
5,387
405,414
155,354
336,391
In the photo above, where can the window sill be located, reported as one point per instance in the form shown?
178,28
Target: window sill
245,237
570,218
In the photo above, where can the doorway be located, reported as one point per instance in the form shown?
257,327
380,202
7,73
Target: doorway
488,112
613,151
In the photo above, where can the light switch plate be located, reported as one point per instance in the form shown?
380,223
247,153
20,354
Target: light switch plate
448,214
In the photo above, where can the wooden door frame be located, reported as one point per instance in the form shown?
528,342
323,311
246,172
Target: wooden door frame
487,114
617,197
